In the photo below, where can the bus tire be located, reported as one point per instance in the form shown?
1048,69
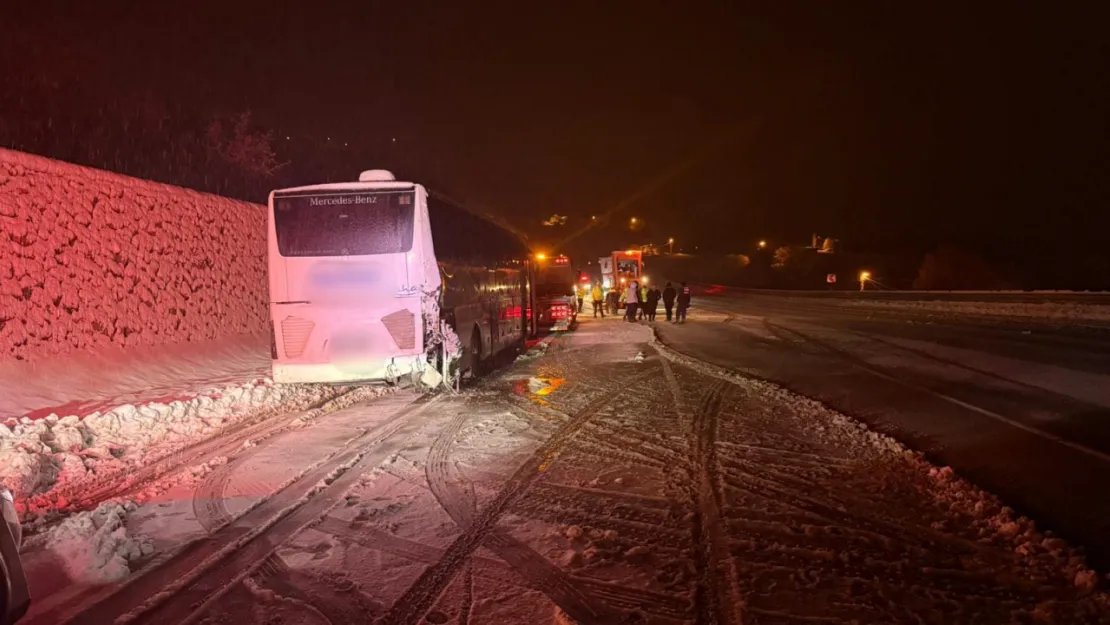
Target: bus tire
476,365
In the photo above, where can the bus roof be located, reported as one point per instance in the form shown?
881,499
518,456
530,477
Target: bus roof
346,186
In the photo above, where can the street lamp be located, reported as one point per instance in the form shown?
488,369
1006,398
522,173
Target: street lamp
670,245
762,245
864,277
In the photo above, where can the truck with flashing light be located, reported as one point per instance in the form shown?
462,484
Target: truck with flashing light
620,268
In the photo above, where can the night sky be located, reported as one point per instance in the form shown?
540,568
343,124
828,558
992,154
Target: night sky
875,122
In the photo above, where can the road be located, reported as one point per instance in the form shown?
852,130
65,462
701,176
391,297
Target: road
605,479
1020,408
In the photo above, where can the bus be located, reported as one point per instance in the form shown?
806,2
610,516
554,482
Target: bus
378,279
555,303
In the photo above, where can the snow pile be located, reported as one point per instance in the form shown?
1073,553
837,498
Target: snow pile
92,259
48,462
94,547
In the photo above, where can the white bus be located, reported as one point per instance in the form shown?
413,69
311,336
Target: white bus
374,280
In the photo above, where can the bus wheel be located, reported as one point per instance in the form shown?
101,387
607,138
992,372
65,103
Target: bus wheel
475,366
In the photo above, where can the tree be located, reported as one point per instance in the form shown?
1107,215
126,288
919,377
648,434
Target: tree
794,265
951,269
782,258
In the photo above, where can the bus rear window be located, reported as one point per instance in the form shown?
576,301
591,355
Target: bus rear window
344,224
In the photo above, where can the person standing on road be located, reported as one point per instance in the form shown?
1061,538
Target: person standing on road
581,293
651,303
614,301
631,301
642,299
683,304
668,300
598,299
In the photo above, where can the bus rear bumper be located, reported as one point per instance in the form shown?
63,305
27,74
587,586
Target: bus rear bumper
367,371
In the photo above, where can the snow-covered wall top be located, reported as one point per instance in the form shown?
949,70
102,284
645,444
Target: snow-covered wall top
90,259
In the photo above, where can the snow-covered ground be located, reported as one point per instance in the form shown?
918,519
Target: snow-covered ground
121,411
607,480
81,383
1058,312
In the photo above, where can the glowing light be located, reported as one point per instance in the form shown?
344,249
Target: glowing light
670,240
623,280
762,244
643,280
541,256
864,276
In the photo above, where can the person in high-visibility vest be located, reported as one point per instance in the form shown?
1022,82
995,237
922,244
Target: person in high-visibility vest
598,298
581,293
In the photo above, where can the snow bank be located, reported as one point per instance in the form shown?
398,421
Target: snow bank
94,547
48,462
91,259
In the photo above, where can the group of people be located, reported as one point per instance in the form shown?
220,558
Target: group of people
640,302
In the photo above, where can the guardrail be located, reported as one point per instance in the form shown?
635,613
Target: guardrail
1092,298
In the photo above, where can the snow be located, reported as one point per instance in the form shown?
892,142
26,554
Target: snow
93,259
1048,311
84,382
609,479
1068,311
94,547
48,463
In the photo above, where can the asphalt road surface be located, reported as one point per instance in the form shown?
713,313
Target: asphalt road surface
1020,408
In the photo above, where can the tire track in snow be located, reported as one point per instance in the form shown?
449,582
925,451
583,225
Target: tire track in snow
339,603
209,506
714,601
209,500
420,596
226,443
182,585
460,505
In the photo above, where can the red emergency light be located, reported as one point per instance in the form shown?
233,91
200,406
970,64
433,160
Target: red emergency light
562,260
585,278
